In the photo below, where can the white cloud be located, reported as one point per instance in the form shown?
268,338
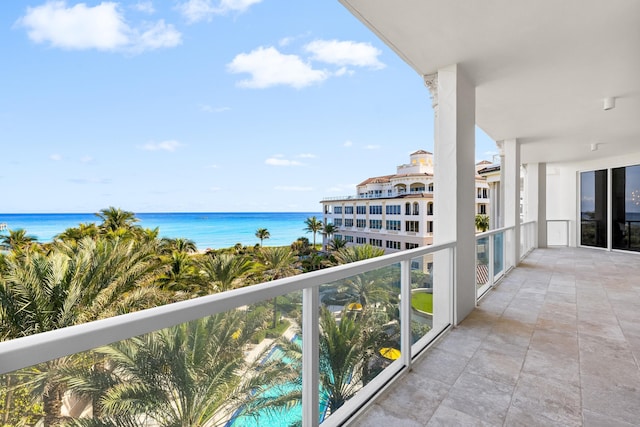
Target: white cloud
86,159
204,10
171,145
102,27
278,160
292,188
372,147
215,188
347,143
55,157
145,7
214,166
268,67
209,109
157,36
345,53
341,188
307,156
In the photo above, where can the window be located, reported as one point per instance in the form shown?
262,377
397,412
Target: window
337,209
593,208
348,222
412,226
429,226
393,244
394,225
361,240
482,209
430,208
393,210
348,239
337,236
361,210
375,224
479,195
416,209
375,242
625,205
430,188
407,209
375,210
348,209
410,245
337,222
485,193
361,223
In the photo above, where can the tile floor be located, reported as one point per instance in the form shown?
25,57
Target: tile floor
556,343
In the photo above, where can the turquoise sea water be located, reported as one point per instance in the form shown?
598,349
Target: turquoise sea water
209,230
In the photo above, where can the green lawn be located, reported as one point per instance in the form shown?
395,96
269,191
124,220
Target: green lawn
422,301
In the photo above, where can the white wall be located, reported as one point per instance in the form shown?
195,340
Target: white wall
563,190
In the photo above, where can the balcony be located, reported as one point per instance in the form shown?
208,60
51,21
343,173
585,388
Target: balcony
555,343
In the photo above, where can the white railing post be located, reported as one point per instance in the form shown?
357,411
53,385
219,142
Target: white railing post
405,312
491,261
310,357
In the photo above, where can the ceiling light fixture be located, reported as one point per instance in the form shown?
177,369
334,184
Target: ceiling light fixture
609,103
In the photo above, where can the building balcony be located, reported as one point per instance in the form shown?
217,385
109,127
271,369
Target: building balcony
555,343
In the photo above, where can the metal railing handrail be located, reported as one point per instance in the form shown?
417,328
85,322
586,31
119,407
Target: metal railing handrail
31,350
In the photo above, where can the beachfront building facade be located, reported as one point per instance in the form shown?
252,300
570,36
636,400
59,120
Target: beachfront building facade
394,212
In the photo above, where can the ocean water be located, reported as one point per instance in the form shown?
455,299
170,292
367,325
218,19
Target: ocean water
213,230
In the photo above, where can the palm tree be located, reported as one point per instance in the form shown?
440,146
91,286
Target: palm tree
222,271
115,218
276,263
72,284
366,289
179,244
79,232
262,233
313,225
329,230
181,275
337,243
482,222
345,350
186,375
17,240
357,253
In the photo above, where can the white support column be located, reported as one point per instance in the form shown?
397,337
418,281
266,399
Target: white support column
511,187
454,180
536,198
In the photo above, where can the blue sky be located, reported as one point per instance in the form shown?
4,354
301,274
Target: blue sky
198,105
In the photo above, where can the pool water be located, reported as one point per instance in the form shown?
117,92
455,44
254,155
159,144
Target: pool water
278,418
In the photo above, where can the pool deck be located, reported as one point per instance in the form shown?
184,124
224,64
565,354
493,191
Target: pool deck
556,343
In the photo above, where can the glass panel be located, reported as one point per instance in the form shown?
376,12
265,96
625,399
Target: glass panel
229,369
593,208
359,333
421,297
498,254
626,208
482,263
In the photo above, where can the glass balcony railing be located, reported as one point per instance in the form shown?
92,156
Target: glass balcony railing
491,263
307,349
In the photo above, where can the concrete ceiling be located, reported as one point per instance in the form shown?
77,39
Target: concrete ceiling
542,68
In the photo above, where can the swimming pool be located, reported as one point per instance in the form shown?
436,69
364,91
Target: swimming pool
278,418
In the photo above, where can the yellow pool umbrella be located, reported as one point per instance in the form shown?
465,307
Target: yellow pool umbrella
390,353
355,306
236,334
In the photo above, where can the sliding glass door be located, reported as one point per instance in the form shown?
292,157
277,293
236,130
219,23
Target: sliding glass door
625,207
593,208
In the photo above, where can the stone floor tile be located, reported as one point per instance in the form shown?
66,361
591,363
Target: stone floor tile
496,365
602,396
544,399
441,365
376,415
448,417
415,392
593,419
553,366
480,397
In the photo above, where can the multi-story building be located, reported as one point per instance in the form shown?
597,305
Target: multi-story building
394,212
